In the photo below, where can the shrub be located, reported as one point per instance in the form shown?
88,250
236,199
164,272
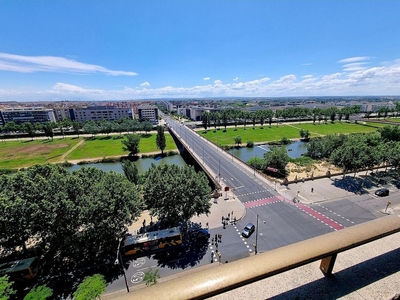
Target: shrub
250,144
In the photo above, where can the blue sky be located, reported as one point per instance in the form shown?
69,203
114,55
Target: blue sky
122,50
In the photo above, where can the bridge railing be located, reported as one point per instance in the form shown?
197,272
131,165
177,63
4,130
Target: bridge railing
217,280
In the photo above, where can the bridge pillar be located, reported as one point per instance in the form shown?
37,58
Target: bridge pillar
327,264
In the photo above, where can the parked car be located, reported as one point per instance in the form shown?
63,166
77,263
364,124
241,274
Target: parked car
382,192
248,230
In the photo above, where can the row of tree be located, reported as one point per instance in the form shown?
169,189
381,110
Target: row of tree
234,116
90,127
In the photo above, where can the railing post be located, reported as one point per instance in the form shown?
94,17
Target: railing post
327,264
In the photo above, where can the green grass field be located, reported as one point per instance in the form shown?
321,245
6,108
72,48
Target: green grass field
332,128
19,154
113,147
290,131
256,135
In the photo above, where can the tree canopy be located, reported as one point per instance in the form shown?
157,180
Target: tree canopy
49,211
176,193
160,139
91,288
131,143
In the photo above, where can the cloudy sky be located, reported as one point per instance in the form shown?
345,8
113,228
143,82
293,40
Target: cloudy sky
121,50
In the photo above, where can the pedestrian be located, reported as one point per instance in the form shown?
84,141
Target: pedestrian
220,237
207,225
216,245
312,190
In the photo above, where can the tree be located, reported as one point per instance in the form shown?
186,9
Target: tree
176,193
6,288
238,140
160,139
245,116
91,127
304,134
130,170
131,143
77,126
205,119
257,163
150,277
29,129
91,288
225,115
48,130
11,126
277,158
39,293
147,126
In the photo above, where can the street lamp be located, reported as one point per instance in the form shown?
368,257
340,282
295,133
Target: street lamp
118,260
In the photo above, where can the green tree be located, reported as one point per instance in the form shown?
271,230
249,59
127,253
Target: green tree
160,139
151,277
11,126
205,119
91,288
91,127
257,163
176,193
48,130
131,143
277,158
29,129
238,140
77,126
147,126
6,289
39,293
304,134
130,170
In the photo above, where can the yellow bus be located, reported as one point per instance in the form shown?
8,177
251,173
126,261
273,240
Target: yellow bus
23,269
152,241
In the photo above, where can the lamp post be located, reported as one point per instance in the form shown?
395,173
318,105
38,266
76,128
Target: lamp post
256,236
118,260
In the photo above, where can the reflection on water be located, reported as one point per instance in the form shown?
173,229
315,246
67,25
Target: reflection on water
295,150
142,164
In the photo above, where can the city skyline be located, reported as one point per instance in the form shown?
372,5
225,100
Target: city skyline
118,50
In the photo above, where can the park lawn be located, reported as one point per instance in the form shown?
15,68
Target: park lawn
21,154
266,134
332,128
112,146
376,124
392,119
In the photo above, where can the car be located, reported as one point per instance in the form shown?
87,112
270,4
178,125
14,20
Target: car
382,192
248,230
200,234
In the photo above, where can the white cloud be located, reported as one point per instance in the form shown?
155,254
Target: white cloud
383,79
236,78
307,64
217,82
31,64
354,59
145,84
206,78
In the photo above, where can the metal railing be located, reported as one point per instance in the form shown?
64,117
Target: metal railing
216,280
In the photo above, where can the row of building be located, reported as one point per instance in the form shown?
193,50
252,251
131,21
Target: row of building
95,113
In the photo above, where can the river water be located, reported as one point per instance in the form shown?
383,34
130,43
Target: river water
295,150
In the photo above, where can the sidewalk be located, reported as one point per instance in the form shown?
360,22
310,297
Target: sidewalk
219,207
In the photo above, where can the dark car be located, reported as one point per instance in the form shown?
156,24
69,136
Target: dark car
200,234
382,192
248,230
